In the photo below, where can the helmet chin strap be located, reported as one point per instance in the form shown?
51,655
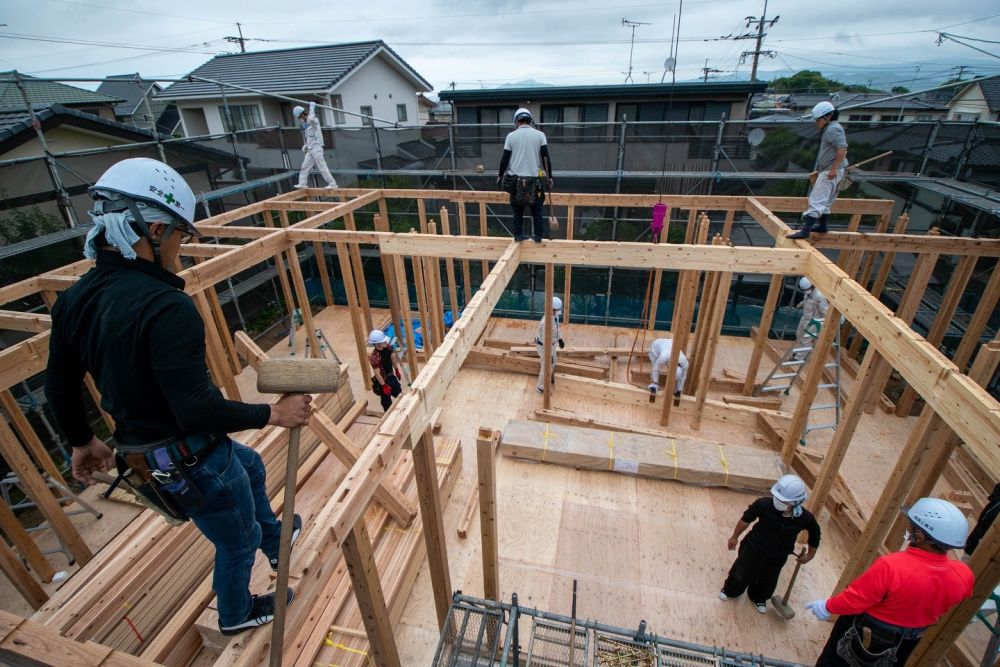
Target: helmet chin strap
144,230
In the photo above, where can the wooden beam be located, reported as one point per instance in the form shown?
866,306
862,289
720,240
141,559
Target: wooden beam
18,575
814,374
28,435
486,466
484,232
222,326
19,290
422,216
974,331
568,269
774,291
425,472
324,274
432,278
217,269
797,204
547,369
403,296
357,326
360,282
918,244
714,333
299,285
423,307
360,559
503,360
286,287
21,540
449,266
463,230
13,320
206,249
771,223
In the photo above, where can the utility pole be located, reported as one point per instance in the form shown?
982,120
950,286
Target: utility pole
241,40
961,71
762,23
708,70
631,48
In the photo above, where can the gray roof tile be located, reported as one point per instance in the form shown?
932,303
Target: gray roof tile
46,92
125,87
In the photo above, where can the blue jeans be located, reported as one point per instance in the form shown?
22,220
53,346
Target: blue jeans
237,519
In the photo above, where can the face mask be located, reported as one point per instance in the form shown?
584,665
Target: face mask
780,506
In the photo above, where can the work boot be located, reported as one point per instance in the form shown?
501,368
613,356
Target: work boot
261,613
296,529
808,221
821,227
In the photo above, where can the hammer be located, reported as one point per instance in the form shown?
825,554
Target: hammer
291,376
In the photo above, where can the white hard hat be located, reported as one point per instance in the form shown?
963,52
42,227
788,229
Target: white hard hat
943,522
298,111
805,283
822,109
151,182
556,303
377,337
522,113
790,489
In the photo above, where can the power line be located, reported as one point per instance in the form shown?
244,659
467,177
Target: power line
112,45
141,11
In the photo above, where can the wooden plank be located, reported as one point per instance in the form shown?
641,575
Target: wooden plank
484,232
486,467
774,291
357,548
423,307
422,216
501,360
432,278
206,249
13,320
771,223
547,341
18,575
217,269
654,299
881,277
222,327
360,339
432,524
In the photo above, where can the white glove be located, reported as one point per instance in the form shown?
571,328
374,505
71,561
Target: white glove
653,387
305,150
818,608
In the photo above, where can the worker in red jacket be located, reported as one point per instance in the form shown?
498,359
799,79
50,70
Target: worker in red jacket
885,610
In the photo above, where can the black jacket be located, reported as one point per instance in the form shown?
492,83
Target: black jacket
774,534
129,324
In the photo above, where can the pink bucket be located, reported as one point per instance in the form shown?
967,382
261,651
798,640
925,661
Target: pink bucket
659,215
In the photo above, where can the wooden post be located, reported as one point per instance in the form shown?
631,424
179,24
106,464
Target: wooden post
36,489
432,277
359,271
484,231
908,304
425,473
360,337
449,267
654,299
399,269
21,540
814,373
984,311
300,290
567,270
679,326
766,318
18,575
463,229
880,279
422,215
218,364
28,435
423,307
956,288
864,276
487,512
891,501
727,224
279,265
547,342
723,282
324,273
360,559
383,213
221,326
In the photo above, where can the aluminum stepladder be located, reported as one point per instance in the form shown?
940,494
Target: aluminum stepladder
790,367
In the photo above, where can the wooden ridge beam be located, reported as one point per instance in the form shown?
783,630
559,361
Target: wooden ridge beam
945,245
207,249
799,204
13,320
217,269
23,360
19,290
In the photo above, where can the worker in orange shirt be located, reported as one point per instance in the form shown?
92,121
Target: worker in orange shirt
885,610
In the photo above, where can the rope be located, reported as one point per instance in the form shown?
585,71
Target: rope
332,644
545,442
611,450
673,454
725,464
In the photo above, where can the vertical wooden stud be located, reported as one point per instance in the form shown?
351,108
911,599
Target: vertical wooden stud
463,229
766,318
567,270
449,267
359,270
299,284
487,513
360,559
546,359
360,339
425,473
399,270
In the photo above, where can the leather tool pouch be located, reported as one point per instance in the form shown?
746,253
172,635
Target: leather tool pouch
134,471
880,652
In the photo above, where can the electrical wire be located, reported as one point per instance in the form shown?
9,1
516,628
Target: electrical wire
112,45
142,11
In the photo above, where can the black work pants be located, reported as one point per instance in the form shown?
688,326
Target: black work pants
536,217
753,572
397,389
829,657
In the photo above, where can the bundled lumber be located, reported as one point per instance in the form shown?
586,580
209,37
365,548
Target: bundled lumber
24,642
502,360
684,459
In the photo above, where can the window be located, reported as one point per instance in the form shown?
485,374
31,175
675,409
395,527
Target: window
966,116
572,115
366,111
338,116
401,113
244,117
859,116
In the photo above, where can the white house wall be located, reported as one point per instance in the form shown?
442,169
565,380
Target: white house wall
971,102
378,85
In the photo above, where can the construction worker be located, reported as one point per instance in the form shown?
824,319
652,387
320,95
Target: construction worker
659,357
128,323
885,610
525,173
780,518
556,340
986,519
814,307
831,161
386,369
312,146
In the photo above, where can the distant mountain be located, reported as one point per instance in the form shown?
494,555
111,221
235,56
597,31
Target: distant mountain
527,83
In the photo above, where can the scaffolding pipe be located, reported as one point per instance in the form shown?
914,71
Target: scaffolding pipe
232,134
152,120
63,196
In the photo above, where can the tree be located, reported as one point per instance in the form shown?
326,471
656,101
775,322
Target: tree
805,81
898,90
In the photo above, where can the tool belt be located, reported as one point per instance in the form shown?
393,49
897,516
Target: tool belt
158,472
873,643
523,190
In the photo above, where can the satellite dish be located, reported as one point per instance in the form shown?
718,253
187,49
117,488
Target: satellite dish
756,137
669,64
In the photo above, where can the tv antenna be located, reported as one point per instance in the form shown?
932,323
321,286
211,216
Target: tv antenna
631,48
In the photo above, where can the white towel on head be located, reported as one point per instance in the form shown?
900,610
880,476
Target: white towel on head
118,229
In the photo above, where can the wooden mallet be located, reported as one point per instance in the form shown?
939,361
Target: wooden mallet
291,376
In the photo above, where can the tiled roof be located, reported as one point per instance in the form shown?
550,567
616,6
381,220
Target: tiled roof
128,87
46,92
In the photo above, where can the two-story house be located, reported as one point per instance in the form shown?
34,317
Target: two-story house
976,101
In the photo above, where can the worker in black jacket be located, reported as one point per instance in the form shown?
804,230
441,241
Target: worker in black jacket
779,518
986,519
129,324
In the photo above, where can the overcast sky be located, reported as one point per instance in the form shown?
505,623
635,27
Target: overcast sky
490,42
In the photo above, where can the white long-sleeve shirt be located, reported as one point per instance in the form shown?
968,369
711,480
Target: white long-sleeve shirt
312,130
659,357
814,307
540,338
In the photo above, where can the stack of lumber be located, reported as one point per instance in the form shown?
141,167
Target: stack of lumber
142,593
684,459
24,642
503,360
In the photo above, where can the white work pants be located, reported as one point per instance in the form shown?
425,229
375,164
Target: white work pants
314,158
823,194
541,369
